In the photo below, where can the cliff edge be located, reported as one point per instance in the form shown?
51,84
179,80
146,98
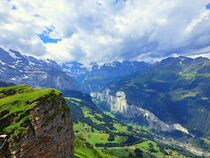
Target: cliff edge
37,123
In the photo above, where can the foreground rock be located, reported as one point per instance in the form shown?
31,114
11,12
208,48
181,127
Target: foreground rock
37,122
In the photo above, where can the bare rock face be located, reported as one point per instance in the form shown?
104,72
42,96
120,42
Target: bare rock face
118,103
48,132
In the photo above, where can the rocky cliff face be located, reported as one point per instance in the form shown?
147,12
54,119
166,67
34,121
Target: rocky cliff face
20,69
118,103
37,122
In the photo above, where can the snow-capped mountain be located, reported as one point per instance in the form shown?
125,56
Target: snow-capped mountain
21,69
76,70
97,77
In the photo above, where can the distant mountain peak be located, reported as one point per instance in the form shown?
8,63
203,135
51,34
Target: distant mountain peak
184,60
22,69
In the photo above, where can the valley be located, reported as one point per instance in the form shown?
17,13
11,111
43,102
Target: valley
97,132
147,112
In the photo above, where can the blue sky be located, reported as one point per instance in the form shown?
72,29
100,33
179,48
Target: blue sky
208,6
106,30
44,36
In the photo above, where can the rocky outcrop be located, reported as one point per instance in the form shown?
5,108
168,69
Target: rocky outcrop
46,131
118,103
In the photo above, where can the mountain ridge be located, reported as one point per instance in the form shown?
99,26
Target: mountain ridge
21,69
175,90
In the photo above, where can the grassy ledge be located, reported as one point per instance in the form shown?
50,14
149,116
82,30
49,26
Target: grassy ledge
15,105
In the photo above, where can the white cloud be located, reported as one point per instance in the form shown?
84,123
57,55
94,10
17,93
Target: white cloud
104,30
195,22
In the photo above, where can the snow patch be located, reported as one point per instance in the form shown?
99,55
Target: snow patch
2,63
13,55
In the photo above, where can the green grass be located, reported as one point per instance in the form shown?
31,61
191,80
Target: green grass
89,114
15,105
181,94
90,132
189,94
189,73
92,137
147,149
205,75
120,152
120,128
82,149
7,91
150,146
109,114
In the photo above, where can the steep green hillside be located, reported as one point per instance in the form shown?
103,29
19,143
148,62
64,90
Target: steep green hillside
15,104
100,134
28,117
177,90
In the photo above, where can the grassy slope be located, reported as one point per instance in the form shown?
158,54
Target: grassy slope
15,104
102,136
175,93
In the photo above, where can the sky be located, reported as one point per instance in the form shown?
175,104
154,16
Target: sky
106,30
